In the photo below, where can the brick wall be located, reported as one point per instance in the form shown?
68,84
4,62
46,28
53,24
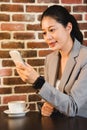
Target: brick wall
20,30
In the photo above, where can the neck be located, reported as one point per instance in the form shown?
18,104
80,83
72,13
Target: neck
66,51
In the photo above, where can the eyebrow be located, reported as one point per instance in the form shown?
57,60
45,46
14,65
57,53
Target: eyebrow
49,27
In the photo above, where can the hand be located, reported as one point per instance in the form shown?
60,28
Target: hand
47,109
26,72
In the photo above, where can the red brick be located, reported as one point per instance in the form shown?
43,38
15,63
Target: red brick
34,98
12,27
5,72
29,53
85,34
35,27
35,8
39,17
85,42
23,17
7,99
48,1
8,63
12,8
4,54
24,1
71,1
32,106
85,16
12,81
36,62
5,90
40,35
24,89
4,0
15,72
43,53
82,8
4,35
37,45
12,45
68,8
24,36
85,1
4,17
83,26
78,17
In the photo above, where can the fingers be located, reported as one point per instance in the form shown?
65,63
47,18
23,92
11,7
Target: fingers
47,109
20,65
26,72
46,113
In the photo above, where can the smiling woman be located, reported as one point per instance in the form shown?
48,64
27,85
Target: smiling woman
55,35
64,87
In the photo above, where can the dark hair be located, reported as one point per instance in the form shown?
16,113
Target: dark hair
61,15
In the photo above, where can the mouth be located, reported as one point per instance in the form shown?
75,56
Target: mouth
52,44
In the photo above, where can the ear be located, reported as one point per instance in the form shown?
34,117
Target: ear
69,27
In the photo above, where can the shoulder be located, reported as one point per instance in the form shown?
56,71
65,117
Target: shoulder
80,50
82,57
83,51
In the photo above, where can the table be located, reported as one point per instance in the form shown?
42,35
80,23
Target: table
34,121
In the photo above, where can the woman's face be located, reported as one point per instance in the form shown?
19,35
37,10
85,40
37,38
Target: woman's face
55,34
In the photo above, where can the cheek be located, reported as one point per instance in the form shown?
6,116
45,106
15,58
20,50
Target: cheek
63,34
59,35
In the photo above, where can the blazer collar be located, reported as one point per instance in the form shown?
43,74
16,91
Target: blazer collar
53,68
70,65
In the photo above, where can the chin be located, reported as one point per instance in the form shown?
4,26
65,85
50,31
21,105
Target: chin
53,48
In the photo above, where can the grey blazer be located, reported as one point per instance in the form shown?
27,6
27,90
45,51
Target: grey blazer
71,98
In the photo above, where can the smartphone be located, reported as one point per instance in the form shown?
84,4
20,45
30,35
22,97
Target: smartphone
16,56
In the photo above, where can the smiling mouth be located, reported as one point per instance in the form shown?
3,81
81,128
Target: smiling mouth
52,44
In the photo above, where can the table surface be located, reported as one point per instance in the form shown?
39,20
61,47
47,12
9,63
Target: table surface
34,121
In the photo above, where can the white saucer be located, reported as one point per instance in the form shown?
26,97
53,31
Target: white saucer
15,114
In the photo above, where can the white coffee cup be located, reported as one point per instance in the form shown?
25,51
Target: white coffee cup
17,106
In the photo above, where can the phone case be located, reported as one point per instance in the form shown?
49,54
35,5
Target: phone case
16,56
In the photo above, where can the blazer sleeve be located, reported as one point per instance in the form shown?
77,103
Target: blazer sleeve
68,104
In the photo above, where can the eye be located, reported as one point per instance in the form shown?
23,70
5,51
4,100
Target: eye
44,33
52,30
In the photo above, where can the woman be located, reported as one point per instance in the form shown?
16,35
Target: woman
65,85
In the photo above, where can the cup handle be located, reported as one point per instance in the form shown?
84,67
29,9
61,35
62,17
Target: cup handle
27,106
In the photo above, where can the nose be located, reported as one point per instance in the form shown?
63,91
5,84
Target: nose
48,36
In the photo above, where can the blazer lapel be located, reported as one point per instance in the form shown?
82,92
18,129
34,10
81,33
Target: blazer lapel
68,69
53,69
70,65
